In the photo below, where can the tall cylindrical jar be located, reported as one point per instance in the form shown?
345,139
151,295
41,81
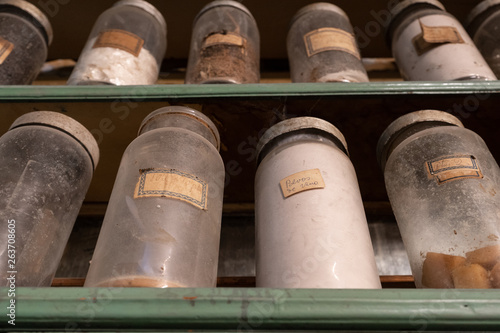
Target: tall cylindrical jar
311,229
322,47
47,163
225,45
25,35
126,47
483,25
443,184
430,44
162,225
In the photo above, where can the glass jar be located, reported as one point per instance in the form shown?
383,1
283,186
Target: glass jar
25,35
321,46
47,164
483,24
225,45
443,184
430,44
311,229
162,225
126,47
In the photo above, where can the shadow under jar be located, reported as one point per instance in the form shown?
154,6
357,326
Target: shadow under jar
47,163
162,225
25,34
483,25
311,229
443,185
126,47
322,47
225,45
430,44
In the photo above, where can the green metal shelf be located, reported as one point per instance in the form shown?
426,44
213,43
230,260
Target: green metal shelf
161,92
230,309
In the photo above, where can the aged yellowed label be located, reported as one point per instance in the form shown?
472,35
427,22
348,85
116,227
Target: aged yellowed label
6,48
449,168
171,183
431,37
120,39
227,39
302,181
330,39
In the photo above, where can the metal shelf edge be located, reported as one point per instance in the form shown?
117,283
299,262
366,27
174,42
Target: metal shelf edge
256,309
269,90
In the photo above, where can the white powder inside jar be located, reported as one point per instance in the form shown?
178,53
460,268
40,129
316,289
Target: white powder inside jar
114,66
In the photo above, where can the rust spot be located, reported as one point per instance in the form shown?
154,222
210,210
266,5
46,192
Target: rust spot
190,298
83,298
455,232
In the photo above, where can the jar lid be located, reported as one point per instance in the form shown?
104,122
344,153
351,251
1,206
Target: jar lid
297,124
65,124
477,11
187,112
221,3
36,13
404,122
403,6
147,7
318,6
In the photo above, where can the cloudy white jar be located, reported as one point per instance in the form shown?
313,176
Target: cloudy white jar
311,229
430,44
126,47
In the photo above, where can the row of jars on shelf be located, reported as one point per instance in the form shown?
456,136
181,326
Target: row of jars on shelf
128,43
162,225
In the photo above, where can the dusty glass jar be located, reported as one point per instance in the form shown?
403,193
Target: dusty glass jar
225,45
48,160
311,229
430,44
321,46
25,35
443,184
126,47
162,225
483,24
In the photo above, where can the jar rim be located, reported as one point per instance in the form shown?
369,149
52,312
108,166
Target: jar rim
65,124
478,10
222,3
36,13
326,6
407,120
297,124
147,7
188,112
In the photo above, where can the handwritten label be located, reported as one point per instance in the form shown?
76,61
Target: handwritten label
330,39
302,181
450,168
430,37
227,39
120,39
171,183
6,48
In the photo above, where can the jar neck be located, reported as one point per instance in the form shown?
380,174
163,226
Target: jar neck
303,135
478,21
21,13
404,134
409,15
185,121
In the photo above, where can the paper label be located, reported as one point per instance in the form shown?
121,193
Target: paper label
227,39
120,39
302,181
445,169
171,183
330,39
431,37
6,48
